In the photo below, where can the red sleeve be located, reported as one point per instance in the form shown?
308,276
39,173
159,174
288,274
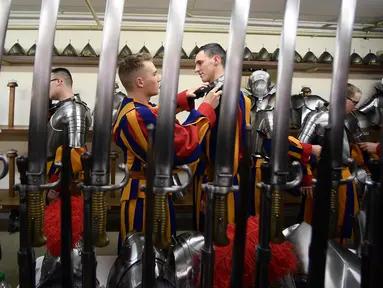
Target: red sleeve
208,111
186,138
307,180
378,149
307,149
184,102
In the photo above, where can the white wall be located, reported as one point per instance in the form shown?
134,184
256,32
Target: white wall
85,78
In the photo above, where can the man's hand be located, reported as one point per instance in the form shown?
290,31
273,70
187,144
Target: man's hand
316,149
213,97
52,194
368,147
190,92
308,192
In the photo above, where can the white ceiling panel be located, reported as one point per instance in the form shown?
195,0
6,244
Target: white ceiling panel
368,11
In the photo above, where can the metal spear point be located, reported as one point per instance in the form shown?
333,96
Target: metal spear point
223,169
272,187
164,130
334,136
96,164
33,170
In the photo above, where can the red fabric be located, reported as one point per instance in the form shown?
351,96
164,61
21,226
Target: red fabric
307,149
378,149
307,180
186,138
208,111
183,101
52,224
283,260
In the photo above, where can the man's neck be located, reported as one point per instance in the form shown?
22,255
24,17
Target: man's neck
139,97
217,75
66,95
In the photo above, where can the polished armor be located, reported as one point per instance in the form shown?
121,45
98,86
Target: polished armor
371,112
313,132
76,115
262,95
304,103
51,268
342,265
179,269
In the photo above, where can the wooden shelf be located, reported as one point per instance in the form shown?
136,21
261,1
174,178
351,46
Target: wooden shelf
189,64
20,133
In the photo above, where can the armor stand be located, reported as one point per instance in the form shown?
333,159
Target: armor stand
236,279
370,247
12,154
216,222
66,218
11,113
271,215
88,257
26,255
148,257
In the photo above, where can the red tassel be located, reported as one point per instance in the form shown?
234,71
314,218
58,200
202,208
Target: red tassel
283,260
52,224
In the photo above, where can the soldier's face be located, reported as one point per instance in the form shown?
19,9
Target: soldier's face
151,79
205,66
54,88
352,102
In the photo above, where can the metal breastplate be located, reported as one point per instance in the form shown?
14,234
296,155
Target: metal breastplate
302,106
353,128
51,269
371,112
127,269
313,132
262,120
117,100
75,115
343,267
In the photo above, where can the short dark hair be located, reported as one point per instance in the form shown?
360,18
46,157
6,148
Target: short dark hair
214,49
64,73
129,65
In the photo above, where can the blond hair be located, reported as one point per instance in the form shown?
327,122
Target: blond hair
129,66
352,90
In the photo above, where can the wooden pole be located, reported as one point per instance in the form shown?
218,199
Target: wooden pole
12,154
11,113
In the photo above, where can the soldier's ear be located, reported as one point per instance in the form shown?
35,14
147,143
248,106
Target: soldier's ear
139,82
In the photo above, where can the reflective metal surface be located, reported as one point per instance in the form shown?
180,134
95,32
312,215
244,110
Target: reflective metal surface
168,94
302,104
342,265
40,93
127,269
4,171
75,114
104,94
5,6
187,256
313,132
340,78
284,80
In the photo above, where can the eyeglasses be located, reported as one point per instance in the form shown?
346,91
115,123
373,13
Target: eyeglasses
353,101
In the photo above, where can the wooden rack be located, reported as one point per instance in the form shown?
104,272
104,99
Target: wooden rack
189,64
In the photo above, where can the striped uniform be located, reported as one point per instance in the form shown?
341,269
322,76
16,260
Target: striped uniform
130,134
205,167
